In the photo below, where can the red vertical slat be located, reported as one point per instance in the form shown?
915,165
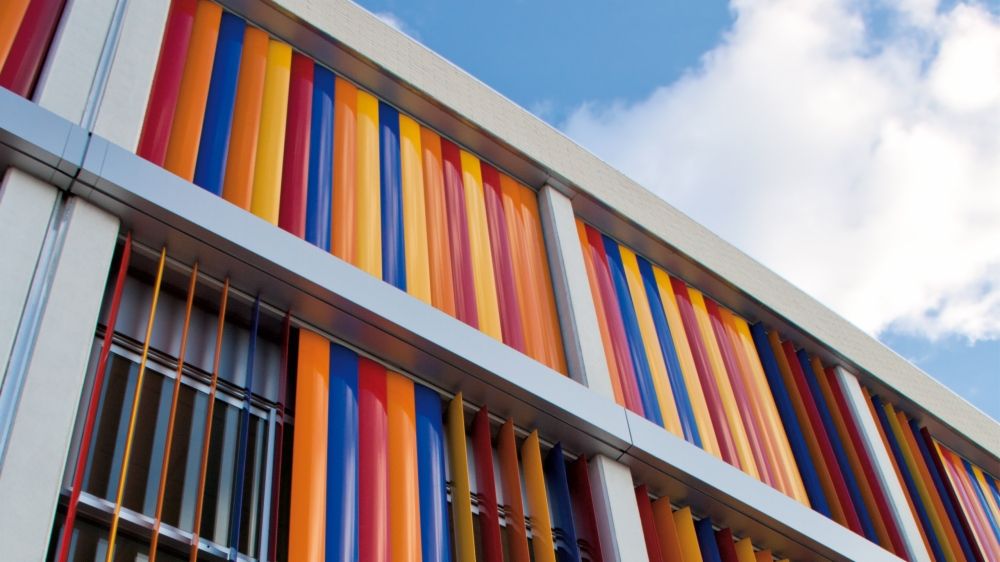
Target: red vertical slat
583,507
295,169
167,82
373,462
503,264
489,515
458,232
27,54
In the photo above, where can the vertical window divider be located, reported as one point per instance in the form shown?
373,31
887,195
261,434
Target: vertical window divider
203,471
88,428
135,409
269,479
173,415
241,459
269,541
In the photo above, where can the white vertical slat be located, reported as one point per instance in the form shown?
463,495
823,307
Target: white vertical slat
856,401
617,512
574,301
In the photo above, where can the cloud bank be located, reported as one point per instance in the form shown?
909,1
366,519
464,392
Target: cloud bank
852,147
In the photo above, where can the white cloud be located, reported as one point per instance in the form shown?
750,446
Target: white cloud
395,22
864,167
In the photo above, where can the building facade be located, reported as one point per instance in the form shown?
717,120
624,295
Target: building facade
279,283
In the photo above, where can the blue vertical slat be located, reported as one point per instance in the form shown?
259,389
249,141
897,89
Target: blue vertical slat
706,541
807,471
342,457
911,487
677,384
434,539
838,447
562,505
983,504
211,164
643,374
942,492
320,197
393,245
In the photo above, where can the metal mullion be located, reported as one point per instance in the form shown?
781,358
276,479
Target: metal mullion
279,423
269,479
241,459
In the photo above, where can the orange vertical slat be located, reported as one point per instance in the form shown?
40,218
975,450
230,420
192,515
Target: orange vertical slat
666,531
438,245
11,14
517,537
534,479
173,415
185,134
238,185
602,319
542,280
404,493
345,162
308,496
130,436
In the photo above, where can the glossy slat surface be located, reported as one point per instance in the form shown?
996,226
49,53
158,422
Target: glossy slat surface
216,129
242,155
309,455
185,133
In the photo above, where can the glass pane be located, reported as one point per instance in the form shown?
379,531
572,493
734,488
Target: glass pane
108,443
90,544
185,459
146,460
221,470
253,493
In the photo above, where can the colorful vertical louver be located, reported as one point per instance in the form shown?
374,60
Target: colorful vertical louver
26,31
368,472
741,393
270,130
955,503
686,363
675,536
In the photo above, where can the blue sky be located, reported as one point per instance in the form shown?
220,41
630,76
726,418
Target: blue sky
552,55
858,136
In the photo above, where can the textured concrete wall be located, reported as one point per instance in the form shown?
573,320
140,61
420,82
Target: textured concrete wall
32,470
123,107
25,208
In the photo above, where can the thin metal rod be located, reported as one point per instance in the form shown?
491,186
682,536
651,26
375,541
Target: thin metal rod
135,410
208,425
278,438
95,396
241,459
173,415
